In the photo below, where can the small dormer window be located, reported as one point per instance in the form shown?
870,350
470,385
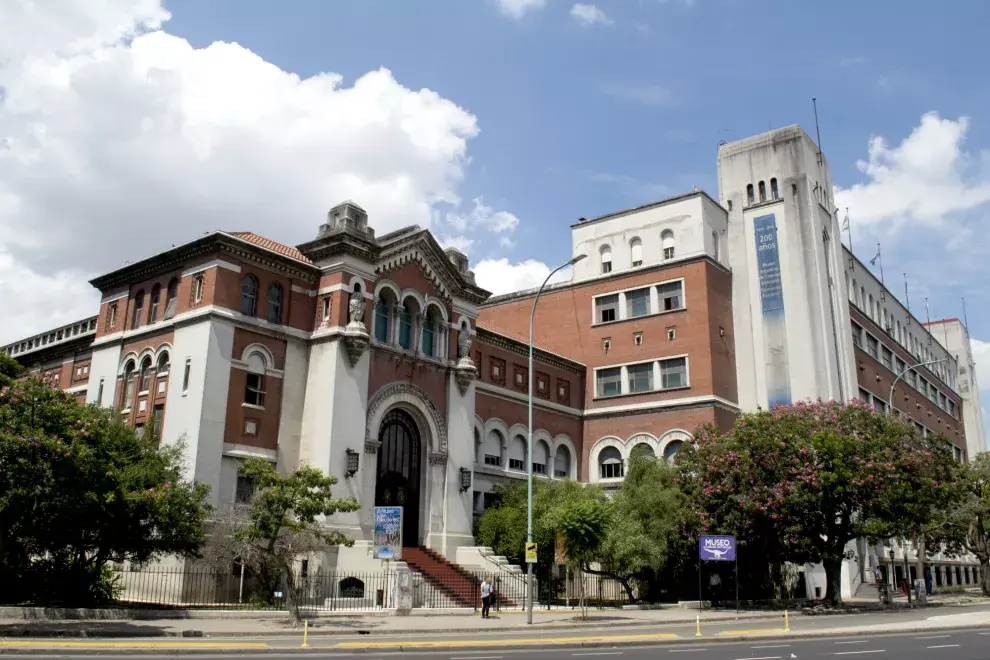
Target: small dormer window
606,259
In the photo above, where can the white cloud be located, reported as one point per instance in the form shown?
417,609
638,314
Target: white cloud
516,9
589,14
462,243
482,216
924,179
500,276
981,355
118,139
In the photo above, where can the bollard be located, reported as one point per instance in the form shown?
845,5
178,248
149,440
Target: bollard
787,622
305,643
697,620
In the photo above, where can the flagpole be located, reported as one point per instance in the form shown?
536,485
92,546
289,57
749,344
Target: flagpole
907,301
883,287
852,258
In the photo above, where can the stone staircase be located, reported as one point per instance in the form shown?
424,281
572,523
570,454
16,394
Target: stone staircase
459,584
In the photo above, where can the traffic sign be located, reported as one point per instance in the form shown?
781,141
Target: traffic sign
530,553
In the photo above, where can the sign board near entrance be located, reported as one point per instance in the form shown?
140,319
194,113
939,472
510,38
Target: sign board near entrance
388,532
717,548
531,553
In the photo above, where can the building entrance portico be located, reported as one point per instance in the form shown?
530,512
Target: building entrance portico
398,473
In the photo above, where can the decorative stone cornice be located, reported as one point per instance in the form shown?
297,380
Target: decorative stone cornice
341,242
464,374
371,446
438,458
496,340
421,247
176,258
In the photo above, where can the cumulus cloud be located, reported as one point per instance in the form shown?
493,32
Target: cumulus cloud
981,355
118,139
587,14
925,178
500,276
516,9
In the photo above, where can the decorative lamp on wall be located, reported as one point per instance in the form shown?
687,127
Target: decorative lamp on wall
352,463
465,480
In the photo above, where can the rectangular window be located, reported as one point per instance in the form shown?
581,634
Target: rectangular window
637,303
640,377
872,346
245,490
539,468
606,308
879,404
933,393
609,381
515,464
923,386
185,375
673,373
671,296
606,267
668,253
899,366
254,393
886,356
952,407
912,379
494,461
159,411
864,395
857,333
943,401
99,394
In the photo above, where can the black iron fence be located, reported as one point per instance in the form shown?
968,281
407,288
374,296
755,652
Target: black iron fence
557,587
333,591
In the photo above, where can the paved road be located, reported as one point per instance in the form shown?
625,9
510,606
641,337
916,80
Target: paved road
968,644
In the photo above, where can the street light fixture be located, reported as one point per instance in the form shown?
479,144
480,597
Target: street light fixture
529,471
890,399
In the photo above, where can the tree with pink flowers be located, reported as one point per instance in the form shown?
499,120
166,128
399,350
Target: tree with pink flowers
800,482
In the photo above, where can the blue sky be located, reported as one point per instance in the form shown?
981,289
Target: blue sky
540,116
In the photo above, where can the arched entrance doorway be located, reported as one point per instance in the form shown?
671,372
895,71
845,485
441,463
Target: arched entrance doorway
399,471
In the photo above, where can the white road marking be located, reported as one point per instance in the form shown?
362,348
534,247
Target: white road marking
944,646
766,657
686,650
855,641
477,657
860,652
771,646
600,653
934,637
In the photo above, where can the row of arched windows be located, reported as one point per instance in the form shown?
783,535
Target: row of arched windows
762,187
139,381
273,302
407,325
611,464
156,309
636,251
495,452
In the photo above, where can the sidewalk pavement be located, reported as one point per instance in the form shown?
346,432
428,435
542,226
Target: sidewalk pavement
33,622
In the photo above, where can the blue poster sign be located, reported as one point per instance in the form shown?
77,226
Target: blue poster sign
772,306
388,532
717,548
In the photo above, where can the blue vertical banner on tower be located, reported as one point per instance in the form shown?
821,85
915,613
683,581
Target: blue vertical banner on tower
774,321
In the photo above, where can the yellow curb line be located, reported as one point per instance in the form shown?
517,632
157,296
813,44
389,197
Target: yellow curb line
754,631
502,642
62,644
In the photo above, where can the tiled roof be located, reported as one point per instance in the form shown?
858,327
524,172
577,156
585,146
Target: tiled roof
269,244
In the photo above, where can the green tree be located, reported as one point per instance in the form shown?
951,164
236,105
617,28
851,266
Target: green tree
650,516
970,520
287,520
583,525
10,369
800,482
79,489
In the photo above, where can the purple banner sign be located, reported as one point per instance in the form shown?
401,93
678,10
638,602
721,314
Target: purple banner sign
717,548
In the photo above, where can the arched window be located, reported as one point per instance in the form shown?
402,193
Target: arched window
406,324
667,240
383,306
610,465
671,450
606,259
351,587
492,449
254,388
517,453
145,375
274,303
763,192
129,376
541,457
171,294
749,195
862,297
774,192
871,309
163,364
642,450
137,314
636,252
562,462
431,324
198,288
249,296
156,298
897,333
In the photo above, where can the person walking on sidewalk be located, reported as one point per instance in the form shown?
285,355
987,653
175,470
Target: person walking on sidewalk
486,597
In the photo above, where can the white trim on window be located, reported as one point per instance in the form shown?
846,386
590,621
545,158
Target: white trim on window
654,301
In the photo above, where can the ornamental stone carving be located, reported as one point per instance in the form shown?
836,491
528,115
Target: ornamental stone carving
356,308
464,343
392,390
